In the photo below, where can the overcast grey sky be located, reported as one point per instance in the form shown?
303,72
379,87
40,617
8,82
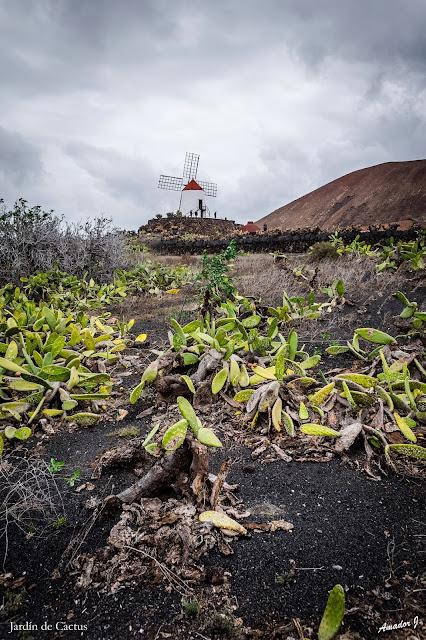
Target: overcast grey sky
98,97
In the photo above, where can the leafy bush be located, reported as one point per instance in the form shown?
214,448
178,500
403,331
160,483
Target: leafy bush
214,271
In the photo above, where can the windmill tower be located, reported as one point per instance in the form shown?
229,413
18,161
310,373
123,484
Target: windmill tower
193,192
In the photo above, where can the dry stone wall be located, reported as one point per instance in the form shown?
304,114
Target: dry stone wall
290,242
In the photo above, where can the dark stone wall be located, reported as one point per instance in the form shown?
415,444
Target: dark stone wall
297,241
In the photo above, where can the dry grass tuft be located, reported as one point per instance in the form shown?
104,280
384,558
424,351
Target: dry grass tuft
176,261
260,275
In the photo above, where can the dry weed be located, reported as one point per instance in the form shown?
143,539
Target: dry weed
31,498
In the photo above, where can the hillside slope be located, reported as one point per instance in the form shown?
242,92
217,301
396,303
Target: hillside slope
382,194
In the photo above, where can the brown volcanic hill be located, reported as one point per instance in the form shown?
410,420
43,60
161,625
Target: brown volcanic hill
383,194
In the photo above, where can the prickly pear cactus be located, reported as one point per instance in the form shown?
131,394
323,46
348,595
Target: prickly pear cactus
333,614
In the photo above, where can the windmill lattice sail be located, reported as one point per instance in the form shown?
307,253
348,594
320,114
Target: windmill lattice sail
171,183
190,166
190,170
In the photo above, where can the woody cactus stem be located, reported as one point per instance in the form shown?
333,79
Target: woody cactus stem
190,459
161,476
207,305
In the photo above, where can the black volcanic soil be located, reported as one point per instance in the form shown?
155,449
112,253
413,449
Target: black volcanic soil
343,526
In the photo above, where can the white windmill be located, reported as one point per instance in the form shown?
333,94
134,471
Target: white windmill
193,192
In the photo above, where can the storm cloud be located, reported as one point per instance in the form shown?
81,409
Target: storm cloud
99,97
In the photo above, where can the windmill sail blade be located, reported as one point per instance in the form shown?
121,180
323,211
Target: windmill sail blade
210,188
172,183
190,166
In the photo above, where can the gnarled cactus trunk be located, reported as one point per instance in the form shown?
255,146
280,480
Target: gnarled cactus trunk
191,459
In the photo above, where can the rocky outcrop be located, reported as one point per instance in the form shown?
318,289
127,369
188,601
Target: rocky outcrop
185,227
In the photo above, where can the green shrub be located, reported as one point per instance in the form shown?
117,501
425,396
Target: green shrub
323,251
191,608
214,272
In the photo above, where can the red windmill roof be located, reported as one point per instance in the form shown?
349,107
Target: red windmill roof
192,186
